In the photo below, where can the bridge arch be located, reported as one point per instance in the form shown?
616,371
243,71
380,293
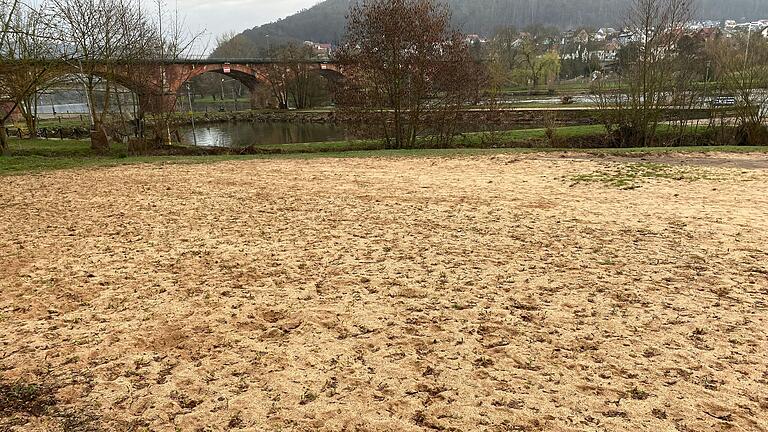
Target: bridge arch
142,88
331,72
251,74
248,75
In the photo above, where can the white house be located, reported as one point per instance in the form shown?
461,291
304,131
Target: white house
608,53
628,37
604,33
474,39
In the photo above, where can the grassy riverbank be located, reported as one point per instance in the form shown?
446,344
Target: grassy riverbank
38,155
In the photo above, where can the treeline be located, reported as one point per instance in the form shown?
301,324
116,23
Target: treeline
326,21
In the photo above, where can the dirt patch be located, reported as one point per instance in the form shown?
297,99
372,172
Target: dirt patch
753,161
36,407
472,293
25,399
632,175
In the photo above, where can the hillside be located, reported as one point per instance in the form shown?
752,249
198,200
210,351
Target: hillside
325,22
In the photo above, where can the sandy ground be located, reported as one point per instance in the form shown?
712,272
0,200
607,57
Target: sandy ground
466,294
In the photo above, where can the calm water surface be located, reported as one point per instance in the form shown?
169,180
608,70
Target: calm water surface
243,134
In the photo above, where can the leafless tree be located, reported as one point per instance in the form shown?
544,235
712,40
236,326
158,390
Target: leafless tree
174,42
505,47
407,69
647,69
8,8
33,47
107,38
536,65
687,97
293,77
505,55
29,52
278,75
741,65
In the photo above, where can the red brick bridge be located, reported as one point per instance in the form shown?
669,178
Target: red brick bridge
251,73
157,84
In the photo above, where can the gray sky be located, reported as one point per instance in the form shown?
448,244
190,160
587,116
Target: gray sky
221,16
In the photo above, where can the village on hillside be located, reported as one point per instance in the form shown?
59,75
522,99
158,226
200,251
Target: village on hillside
584,50
601,47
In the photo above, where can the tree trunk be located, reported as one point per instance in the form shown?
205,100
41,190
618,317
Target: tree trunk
3,139
123,123
398,129
99,139
29,119
27,111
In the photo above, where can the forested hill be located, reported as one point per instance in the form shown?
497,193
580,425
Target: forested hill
325,22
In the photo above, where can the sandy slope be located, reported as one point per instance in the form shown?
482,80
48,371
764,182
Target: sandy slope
488,294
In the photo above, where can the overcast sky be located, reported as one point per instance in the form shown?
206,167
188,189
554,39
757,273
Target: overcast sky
221,16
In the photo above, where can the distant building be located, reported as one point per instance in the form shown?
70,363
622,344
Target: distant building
320,50
699,25
709,33
733,28
607,53
605,34
627,37
611,51
582,36
567,37
474,39
570,52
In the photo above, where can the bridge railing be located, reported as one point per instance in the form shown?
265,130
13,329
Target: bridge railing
202,60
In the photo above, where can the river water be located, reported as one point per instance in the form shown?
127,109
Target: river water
243,134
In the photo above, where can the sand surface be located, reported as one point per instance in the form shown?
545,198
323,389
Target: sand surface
464,294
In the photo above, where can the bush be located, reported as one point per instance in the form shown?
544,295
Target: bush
752,134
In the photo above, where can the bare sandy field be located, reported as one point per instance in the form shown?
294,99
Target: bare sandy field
506,293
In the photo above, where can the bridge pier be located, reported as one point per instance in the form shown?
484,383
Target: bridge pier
255,101
150,103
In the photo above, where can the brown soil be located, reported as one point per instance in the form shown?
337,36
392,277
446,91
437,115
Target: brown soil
488,293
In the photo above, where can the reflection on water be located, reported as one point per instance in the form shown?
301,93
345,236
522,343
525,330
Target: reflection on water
243,134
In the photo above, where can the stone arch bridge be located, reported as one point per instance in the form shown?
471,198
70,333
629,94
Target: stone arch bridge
158,83
251,73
